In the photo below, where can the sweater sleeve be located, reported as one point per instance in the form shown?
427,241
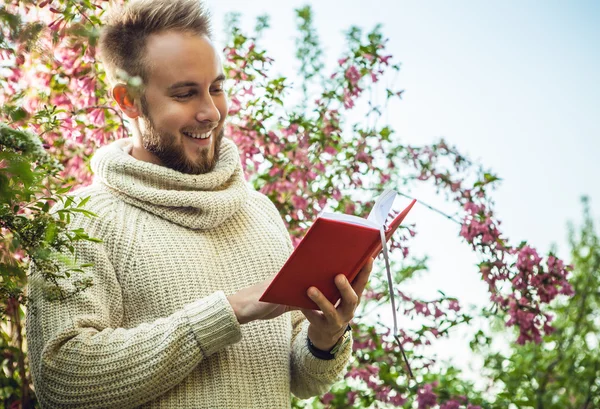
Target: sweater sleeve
81,357
310,375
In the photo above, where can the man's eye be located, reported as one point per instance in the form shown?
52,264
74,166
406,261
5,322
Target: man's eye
184,96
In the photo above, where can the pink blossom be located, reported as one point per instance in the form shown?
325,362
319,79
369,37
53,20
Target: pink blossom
385,59
382,394
421,308
352,75
453,305
299,202
397,400
369,57
348,100
327,398
425,397
97,117
363,157
330,150
351,397
450,404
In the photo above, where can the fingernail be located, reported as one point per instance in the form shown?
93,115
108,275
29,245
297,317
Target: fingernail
312,293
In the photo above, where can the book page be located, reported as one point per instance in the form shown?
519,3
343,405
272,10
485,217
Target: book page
382,208
348,218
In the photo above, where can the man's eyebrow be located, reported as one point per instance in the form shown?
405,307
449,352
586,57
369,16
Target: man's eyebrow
183,84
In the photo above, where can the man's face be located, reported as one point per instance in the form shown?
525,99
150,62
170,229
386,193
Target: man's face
184,105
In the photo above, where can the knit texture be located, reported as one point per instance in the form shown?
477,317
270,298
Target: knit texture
156,330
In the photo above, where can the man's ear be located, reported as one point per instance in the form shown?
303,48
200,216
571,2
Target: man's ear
126,102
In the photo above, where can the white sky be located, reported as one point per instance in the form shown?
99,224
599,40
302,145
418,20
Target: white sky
513,84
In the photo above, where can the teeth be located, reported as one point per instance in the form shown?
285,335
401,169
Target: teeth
198,135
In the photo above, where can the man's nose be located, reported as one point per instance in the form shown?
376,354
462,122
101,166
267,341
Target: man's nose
208,111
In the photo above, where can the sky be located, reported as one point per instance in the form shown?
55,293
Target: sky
513,84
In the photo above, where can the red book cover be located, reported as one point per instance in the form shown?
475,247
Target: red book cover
331,246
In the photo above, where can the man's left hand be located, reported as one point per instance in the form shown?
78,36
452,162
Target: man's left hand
328,325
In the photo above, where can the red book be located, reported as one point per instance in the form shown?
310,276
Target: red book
334,244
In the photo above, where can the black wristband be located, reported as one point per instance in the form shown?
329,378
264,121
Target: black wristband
326,355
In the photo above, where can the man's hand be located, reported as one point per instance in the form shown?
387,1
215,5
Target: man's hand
247,308
328,325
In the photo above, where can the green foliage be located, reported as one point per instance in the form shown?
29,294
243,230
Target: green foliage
31,232
308,50
564,371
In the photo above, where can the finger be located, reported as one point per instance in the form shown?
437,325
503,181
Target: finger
323,303
360,282
349,297
314,317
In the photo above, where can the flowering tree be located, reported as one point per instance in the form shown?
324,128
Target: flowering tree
564,371
304,157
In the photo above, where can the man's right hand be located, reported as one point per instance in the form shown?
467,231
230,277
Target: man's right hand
247,308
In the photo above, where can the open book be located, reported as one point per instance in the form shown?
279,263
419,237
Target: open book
334,244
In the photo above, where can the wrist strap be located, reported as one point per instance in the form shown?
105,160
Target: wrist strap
326,355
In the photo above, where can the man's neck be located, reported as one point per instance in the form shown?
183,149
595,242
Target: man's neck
139,153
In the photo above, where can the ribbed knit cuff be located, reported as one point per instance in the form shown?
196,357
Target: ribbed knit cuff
316,366
214,323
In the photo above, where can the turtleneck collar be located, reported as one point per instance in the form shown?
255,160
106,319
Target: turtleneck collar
194,201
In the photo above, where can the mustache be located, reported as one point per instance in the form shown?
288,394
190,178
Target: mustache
202,129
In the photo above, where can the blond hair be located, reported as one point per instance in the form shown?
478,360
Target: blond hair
124,36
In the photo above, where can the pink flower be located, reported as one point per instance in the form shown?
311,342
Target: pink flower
352,75
425,397
363,157
348,100
453,305
421,308
451,404
383,393
97,117
397,400
351,396
385,59
299,202
327,398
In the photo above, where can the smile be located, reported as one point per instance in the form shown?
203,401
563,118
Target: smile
205,135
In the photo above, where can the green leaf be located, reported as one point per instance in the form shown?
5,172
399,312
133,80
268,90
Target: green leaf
83,202
18,114
63,190
385,133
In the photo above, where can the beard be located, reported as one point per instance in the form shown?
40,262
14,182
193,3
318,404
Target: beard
171,152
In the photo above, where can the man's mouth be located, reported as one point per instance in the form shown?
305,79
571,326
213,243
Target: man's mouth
198,135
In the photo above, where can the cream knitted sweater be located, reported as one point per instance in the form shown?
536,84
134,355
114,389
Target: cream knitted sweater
156,330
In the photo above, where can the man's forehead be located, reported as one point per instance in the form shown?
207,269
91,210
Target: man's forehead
176,56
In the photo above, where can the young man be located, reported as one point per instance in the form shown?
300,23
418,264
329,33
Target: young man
173,318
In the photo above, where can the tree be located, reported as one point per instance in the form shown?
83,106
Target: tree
29,232
563,371
303,157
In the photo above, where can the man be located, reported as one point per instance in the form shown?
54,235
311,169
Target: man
173,318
